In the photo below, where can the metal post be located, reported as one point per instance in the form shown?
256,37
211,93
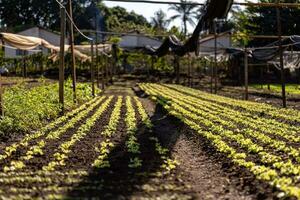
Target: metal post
73,61
62,57
246,75
92,69
279,29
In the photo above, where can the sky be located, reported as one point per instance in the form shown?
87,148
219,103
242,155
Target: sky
148,10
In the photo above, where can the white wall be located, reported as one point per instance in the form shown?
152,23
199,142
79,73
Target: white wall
222,41
138,41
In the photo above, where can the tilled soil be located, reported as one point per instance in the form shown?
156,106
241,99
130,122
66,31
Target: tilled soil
202,173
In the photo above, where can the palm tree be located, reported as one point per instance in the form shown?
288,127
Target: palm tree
185,12
160,21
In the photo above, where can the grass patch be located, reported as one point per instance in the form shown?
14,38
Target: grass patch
293,89
29,109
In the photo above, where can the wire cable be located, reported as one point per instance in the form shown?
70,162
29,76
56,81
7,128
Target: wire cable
71,20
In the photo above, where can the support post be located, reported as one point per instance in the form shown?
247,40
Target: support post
212,69
106,70
269,77
62,57
189,70
279,29
102,73
177,65
24,71
73,60
246,75
97,63
215,61
261,77
1,87
114,62
97,52
92,69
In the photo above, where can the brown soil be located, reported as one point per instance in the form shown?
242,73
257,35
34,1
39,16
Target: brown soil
202,173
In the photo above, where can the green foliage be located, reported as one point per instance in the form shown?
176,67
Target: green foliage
262,21
18,15
26,109
119,19
186,13
293,89
162,64
160,22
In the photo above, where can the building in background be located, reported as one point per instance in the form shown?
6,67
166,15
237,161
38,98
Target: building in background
49,36
135,40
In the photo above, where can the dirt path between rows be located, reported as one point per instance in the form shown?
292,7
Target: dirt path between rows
202,173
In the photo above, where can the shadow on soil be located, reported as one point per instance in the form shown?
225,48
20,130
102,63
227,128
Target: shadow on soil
121,182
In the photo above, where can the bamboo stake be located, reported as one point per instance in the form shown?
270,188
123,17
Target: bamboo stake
279,29
1,87
73,60
246,75
62,57
92,69
102,72
269,81
216,63
211,75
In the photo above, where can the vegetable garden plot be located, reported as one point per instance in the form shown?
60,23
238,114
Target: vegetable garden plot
261,138
101,146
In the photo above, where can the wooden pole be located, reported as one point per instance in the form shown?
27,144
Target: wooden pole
73,59
246,75
102,71
114,62
97,63
177,66
216,62
106,70
1,87
279,29
92,69
211,76
24,71
192,72
97,52
269,78
189,70
62,57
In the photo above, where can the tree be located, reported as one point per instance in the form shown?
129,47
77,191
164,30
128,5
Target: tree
119,19
262,21
160,21
17,13
185,12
